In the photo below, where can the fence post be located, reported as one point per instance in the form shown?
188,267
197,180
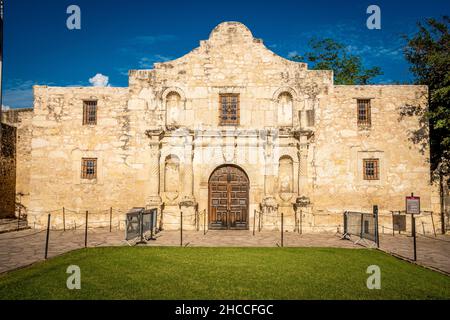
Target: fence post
254,221
361,226
47,237
377,233
413,230
181,229
110,219
259,221
282,228
86,230
64,219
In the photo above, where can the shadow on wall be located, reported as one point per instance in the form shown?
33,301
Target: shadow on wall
7,171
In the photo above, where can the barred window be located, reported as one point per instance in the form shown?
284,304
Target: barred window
90,112
371,169
229,109
364,112
89,168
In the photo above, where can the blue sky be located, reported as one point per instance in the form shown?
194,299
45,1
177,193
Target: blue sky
116,35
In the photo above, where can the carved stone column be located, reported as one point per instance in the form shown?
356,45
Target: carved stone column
154,199
269,205
303,189
187,204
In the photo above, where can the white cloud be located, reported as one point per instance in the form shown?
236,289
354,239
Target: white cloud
99,80
5,108
292,54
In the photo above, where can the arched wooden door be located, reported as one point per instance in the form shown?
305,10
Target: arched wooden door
228,199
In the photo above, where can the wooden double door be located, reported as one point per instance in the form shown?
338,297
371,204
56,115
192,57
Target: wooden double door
228,199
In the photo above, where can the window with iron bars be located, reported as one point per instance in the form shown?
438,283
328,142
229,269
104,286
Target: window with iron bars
364,116
90,112
89,168
229,109
371,169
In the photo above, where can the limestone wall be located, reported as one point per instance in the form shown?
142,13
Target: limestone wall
171,113
21,120
60,141
340,147
7,171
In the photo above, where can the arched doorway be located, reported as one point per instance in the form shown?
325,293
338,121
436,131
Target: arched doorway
228,198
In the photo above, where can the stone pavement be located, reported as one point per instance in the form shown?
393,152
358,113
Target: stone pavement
22,248
431,252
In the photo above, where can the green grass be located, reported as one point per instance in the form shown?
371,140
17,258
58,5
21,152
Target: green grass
224,273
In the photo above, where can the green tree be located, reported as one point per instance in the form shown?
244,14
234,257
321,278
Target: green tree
328,54
428,52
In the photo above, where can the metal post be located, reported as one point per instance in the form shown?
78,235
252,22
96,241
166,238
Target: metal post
64,219
413,227
110,219
377,233
181,229
86,230
254,221
361,226
282,228
259,221
47,237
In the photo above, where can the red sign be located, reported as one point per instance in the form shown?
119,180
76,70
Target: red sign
413,205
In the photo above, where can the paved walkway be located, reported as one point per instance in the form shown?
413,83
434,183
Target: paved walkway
22,248
431,252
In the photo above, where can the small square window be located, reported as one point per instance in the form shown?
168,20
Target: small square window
371,169
364,117
90,112
89,168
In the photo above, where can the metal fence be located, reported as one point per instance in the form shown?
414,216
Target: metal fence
139,222
361,224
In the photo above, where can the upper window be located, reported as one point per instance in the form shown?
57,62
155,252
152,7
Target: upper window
364,112
371,169
310,118
89,112
89,168
229,110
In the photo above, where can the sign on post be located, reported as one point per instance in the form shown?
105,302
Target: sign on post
413,205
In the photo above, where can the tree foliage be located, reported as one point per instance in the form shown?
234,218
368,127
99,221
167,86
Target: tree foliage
428,52
327,54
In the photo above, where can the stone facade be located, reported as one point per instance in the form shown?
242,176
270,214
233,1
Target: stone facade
158,141
16,161
7,171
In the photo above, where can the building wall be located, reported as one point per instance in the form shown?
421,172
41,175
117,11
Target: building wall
21,120
172,112
7,171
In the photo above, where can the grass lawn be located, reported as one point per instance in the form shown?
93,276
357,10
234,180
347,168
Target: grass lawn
224,273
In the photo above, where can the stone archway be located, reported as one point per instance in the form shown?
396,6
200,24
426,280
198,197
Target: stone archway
228,199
